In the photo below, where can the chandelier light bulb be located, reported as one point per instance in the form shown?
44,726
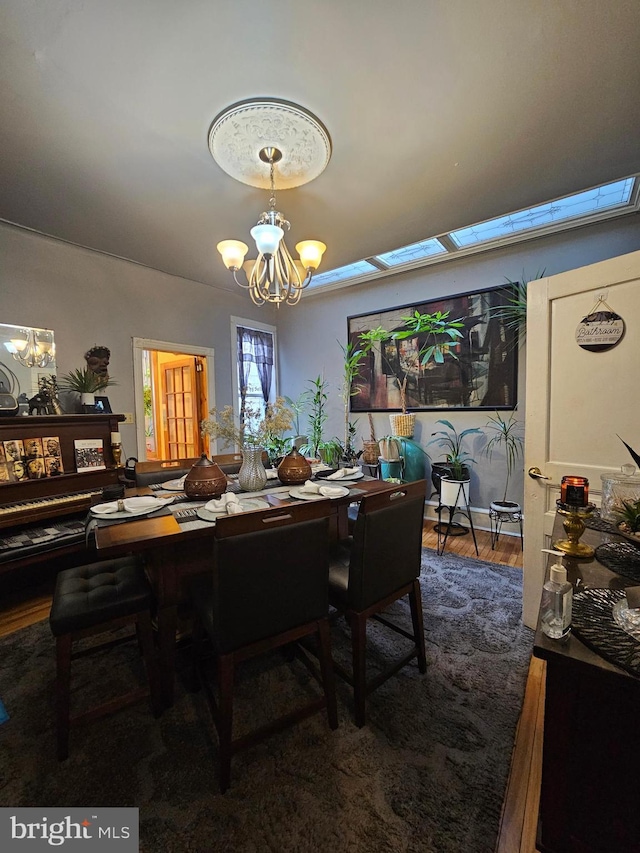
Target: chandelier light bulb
267,238
233,252
311,252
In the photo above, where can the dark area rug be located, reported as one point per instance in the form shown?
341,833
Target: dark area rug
427,773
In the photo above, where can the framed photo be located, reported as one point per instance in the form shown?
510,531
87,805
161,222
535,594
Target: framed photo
89,454
103,406
478,370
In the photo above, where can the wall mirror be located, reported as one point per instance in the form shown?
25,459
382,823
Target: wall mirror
27,359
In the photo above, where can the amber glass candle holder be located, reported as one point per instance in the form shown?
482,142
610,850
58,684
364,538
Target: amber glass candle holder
573,524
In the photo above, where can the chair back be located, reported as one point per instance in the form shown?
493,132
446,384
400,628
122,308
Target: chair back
271,572
387,543
160,470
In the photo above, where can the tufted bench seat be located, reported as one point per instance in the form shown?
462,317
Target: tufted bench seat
90,600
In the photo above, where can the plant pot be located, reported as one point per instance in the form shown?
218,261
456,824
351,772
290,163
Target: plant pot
300,440
370,452
403,425
88,403
389,449
443,469
294,469
454,492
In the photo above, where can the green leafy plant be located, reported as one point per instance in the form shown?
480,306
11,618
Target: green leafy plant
513,313
506,435
451,440
317,415
298,407
629,516
84,381
352,362
437,332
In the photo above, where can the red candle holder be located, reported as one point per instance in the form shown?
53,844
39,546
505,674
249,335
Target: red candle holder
574,491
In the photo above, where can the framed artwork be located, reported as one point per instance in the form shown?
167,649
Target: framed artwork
477,370
103,406
89,454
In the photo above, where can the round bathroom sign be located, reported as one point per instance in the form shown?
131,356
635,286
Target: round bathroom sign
600,331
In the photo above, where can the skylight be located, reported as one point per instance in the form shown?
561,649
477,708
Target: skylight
571,206
342,273
414,252
591,205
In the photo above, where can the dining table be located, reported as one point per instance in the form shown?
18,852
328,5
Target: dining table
177,545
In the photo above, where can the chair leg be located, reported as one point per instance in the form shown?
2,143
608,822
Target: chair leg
326,668
145,640
415,602
225,717
359,650
63,691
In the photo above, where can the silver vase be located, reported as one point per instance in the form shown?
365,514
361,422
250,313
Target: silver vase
252,475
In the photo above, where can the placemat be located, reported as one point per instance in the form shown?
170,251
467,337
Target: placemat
594,625
621,557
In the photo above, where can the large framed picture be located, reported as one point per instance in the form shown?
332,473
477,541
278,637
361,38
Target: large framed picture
475,369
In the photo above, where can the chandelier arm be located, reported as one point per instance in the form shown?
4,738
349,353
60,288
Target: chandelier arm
238,281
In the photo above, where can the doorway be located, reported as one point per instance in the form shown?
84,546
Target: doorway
173,394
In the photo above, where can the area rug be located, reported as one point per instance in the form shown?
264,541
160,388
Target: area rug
427,774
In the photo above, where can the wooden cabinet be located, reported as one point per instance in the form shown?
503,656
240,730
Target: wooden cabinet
590,794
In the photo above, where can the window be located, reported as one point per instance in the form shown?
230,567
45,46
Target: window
254,366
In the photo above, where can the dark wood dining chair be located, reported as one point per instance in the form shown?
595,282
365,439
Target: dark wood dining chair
268,589
154,471
381,565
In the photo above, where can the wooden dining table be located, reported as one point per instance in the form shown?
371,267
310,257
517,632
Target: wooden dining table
174,553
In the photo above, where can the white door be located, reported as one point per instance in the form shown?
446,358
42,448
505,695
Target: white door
577,401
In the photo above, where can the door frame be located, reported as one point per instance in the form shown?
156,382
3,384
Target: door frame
140,344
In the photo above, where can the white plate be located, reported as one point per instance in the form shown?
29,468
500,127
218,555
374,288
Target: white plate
299,495
247,505
133,507
356,476
173,485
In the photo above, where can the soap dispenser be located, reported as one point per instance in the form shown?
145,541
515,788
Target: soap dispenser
557,600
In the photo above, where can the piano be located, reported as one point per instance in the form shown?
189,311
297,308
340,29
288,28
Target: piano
42,518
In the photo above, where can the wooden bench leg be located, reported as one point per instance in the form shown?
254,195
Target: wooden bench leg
415,602
359,650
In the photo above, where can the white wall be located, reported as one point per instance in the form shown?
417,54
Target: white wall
309,343
88,298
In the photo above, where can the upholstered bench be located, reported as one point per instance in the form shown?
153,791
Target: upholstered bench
90,600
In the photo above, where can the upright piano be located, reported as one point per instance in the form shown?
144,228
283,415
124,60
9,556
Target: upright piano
43,518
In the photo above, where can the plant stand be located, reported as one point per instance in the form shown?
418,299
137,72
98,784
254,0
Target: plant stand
444,530
504,512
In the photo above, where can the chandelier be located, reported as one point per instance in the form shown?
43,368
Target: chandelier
301,147
32,347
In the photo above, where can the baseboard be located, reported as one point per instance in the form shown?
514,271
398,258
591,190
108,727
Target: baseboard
479,515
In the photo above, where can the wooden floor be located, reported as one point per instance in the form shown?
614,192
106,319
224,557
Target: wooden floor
520,807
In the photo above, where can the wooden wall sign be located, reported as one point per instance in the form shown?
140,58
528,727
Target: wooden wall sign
601,329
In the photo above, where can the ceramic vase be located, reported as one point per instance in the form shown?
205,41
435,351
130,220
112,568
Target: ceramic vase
252,476
204,480
294,469
451,493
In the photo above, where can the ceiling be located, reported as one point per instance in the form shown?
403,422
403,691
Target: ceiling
442,113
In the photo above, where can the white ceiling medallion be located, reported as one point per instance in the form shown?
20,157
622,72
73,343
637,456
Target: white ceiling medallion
241,131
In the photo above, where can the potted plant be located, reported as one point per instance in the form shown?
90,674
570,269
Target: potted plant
506,435
86,383
317,402
436,333
448,476
298,407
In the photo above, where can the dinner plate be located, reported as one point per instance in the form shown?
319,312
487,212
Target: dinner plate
247,505
173,485
299,495
324,475
133,506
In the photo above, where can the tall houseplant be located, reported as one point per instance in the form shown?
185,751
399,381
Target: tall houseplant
86,383
506,436
436,332
457,458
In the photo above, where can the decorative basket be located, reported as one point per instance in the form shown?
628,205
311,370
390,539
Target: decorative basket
370,452
403,425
